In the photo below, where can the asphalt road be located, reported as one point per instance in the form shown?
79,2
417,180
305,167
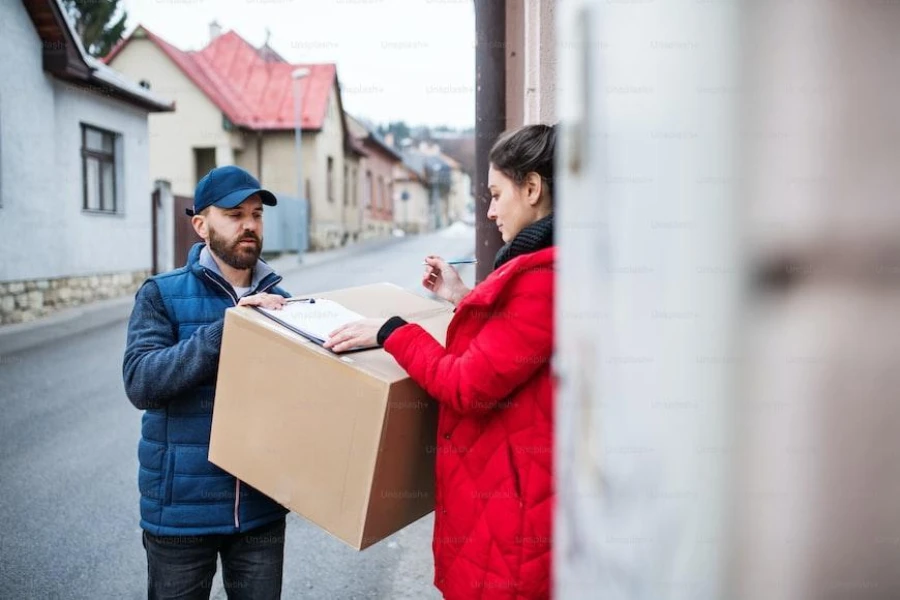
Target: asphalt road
68,465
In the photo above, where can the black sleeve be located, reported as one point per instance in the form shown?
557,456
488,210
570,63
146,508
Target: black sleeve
388,328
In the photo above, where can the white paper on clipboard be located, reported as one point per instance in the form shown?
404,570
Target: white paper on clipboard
316,319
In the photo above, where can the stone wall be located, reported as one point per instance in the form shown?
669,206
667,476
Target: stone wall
22,301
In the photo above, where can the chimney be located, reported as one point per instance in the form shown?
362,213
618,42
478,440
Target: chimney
215,30
389,139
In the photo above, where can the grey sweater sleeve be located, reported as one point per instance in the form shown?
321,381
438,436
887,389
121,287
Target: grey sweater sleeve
157,367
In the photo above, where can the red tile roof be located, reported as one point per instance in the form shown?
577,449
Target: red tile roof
251,91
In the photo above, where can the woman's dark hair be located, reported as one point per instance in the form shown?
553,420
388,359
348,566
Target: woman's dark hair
528,149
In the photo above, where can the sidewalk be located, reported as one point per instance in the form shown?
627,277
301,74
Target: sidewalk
288,263
84,318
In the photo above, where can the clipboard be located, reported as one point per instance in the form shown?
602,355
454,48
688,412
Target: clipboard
314,318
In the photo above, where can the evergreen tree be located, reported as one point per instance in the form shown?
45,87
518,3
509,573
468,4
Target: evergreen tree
99,23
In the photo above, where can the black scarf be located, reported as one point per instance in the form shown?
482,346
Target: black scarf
537,236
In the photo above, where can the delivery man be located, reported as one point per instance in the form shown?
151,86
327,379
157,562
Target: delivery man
192,512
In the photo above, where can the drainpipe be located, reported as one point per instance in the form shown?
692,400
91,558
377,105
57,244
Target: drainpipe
490,120
259,147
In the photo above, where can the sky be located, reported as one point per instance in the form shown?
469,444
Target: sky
397,60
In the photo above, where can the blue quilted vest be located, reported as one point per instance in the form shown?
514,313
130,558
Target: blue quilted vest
182,493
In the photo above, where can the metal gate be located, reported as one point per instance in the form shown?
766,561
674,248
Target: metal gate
185,236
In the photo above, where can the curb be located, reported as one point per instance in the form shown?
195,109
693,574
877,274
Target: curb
81,319
312,260
63,324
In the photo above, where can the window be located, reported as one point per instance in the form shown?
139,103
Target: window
380,191
370,189
98,168
346,185
330,180
204,162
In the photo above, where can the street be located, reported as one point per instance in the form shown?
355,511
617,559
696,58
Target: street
68,464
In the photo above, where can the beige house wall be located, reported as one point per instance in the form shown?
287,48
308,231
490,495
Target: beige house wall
195,123
460,195
279,161
411,215
327,219
328,209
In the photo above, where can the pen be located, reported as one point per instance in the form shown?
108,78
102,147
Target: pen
310,300
459,262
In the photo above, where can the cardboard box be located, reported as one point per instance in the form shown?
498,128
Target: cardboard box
347,441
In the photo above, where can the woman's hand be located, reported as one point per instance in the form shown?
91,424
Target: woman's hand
443,280
270,301
351,335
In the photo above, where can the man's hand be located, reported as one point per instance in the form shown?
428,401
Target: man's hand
270,301
351,335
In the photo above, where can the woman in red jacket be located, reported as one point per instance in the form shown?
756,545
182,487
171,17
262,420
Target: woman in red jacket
494,471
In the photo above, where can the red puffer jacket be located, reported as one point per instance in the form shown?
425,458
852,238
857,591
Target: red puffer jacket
494,479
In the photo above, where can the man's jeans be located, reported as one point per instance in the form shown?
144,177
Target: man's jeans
182,567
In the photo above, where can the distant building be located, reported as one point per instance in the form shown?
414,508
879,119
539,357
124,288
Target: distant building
377,170
411,206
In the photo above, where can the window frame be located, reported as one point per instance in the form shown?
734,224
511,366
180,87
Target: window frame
102,157
329,181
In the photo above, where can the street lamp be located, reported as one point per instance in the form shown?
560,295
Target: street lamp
297,75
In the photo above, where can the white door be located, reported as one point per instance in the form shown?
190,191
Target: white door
646,299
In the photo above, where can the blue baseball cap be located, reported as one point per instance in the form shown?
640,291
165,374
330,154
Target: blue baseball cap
227,187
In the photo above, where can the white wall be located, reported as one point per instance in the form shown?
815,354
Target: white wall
43,231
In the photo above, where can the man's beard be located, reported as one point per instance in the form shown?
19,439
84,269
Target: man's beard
234,254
